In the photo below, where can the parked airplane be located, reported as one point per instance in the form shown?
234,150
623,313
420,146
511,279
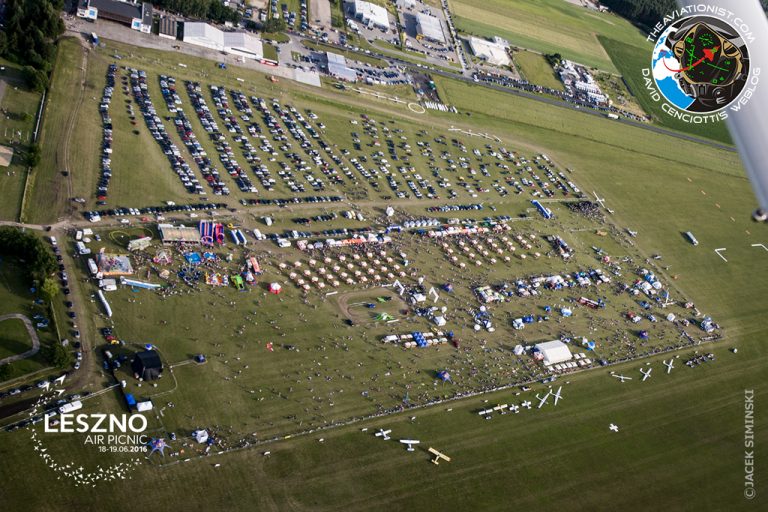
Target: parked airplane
670,365
557,395
410,443
438,456
646,374
543,400
384,434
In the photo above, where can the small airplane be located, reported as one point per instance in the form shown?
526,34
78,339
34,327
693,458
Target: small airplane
543,400
557,395
622,378
59,380
384,434
526,404
670,365
614,427
486,412
438,456
514,408
501,408
410,443
646,374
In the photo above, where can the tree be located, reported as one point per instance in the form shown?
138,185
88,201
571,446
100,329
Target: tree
33,155
57,355
36,79
49,290
6,371
273,25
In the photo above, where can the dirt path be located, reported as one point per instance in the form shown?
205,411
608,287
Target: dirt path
32,334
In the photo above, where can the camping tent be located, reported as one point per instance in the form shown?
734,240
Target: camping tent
275,288
200,436
553,352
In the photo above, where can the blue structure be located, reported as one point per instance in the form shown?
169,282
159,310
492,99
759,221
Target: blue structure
545,212
419,339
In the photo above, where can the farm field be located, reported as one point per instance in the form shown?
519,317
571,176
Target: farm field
547,26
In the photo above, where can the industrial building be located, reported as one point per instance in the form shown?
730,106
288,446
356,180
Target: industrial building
371,15
236,43
136,15
337,67
169,27
429,28
494,52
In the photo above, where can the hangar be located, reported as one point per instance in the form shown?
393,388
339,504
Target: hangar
237,43
429,28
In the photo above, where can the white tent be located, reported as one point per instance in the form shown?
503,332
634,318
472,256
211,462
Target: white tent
553,352
200,436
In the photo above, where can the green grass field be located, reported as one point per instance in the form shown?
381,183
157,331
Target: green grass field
547,26
14,338
535,68
16,130
681,435
631,60
15,297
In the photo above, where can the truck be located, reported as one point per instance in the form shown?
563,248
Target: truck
612,116
71,406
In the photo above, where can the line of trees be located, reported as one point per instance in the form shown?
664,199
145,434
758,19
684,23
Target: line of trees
212,10
647,13
29,37
39,262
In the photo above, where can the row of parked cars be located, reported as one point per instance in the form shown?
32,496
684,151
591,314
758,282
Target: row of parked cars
106,127
157,129
184,129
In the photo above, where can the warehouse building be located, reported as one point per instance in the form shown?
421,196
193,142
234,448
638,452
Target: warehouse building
236,43
337,67
493,52
138,16
370,14
429,28
169,27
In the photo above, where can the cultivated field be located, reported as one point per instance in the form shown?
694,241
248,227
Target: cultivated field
547,26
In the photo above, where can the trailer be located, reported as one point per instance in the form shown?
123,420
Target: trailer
691,238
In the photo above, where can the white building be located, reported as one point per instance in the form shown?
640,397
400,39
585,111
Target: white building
429,27
337,67
406,4
136,15
491,52
371,14
237,43
553,352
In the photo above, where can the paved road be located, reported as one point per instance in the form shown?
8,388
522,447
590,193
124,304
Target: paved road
32,334
550,101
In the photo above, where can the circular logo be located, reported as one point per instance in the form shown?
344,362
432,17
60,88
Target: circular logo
700,64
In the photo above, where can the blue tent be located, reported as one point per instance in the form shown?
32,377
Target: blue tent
130,400
591,345
444,376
